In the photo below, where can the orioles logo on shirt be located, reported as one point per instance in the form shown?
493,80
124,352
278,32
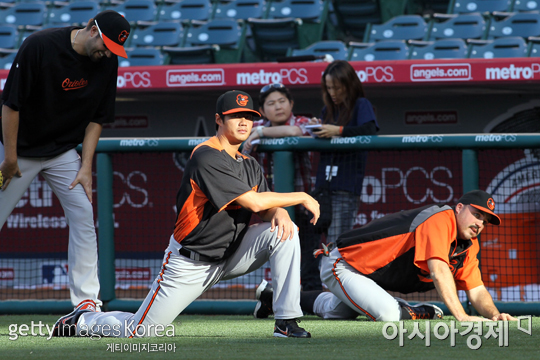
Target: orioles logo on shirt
123,36
242,100
491,204
68,84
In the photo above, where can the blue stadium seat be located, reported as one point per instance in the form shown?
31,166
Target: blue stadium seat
239,9
21,14
534,46
302,9
439,49
354,15
481,6
274,37
506,47
464,26
516,24
228,34
142,57
137,10
190,55
382,50
74,13
404,27
337,49
9,37
160,34
526,5
7,60
186,10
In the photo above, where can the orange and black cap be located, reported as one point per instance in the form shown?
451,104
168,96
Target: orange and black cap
114,30
482,201
234,102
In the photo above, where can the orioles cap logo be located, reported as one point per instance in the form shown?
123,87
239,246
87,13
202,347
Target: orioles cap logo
491,204
123,36
242,100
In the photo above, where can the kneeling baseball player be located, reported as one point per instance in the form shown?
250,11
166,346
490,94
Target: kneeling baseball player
212,241
432,247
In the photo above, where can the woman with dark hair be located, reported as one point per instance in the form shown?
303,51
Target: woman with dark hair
346,113
275,105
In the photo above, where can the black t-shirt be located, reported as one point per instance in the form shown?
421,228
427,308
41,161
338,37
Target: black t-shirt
207,222
57,93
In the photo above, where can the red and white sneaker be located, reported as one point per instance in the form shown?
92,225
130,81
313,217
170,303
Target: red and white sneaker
67,324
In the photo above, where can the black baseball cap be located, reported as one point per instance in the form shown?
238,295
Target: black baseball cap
482,201
234,102
114,30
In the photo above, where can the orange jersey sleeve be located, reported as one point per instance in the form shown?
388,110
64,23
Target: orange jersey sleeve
433,238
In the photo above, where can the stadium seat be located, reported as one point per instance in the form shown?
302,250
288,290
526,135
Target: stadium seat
354,15
190,55
239,9
7,60
228,34
303,9
533,46
23,14
160,34
9,37
526,5
404,27
186,10
142,57
464,26
439,49
515,24
481,6
137,10
506,47
74,13
273,37
313,14
337,49
382,50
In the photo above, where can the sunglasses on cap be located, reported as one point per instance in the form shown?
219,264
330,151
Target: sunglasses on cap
272,86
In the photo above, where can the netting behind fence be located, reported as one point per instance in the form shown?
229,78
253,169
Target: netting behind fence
33,256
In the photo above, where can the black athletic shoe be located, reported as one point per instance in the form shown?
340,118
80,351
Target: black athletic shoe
67,324
290,328
419,311
264,296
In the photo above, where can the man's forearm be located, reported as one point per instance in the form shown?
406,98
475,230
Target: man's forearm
259,202
482,301
446,287
91,138
10,130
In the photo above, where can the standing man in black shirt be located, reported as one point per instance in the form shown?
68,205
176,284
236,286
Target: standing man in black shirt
59,91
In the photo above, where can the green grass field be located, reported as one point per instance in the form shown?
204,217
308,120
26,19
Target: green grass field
242,337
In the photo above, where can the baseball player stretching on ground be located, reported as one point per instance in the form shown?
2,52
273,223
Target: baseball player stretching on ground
60,89
212,241
432,247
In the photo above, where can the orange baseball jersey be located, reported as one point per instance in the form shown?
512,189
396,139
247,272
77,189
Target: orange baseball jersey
207,221
393,250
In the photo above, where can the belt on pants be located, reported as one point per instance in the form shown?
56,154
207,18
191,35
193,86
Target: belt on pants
195,255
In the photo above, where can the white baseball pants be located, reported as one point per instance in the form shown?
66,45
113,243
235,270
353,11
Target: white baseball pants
59,172
182,280
352,293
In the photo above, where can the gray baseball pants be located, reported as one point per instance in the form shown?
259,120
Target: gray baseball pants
352,294
59,172
182,280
